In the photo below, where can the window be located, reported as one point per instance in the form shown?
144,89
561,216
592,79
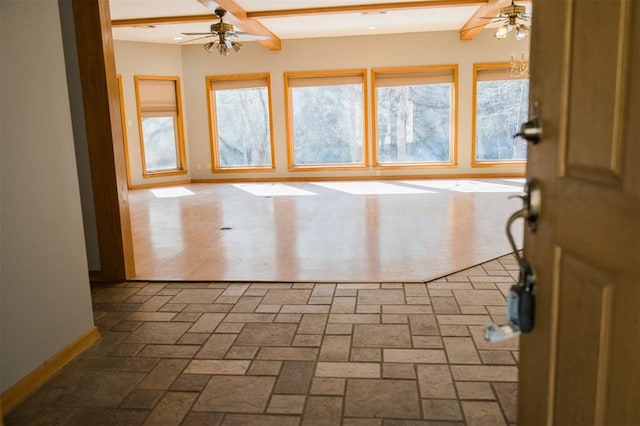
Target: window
240,122
414,116
501,104
160,126
326,119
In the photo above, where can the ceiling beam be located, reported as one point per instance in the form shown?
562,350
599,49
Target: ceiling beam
163,20
477,22
363,8
238,17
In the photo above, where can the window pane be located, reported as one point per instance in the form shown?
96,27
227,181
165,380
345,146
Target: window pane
328,124
242,122
159,134
502,106
414,123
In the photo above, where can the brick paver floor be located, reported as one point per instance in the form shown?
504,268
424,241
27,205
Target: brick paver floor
282,354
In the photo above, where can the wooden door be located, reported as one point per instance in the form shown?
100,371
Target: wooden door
581,364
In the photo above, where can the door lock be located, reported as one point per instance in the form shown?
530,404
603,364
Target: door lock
521,300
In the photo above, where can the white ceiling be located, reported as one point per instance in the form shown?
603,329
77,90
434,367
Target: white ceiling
290,27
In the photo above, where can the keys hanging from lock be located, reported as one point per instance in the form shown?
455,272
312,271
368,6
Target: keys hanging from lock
520,309
496,333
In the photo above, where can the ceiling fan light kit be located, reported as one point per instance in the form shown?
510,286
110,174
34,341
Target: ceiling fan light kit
512,14
222,46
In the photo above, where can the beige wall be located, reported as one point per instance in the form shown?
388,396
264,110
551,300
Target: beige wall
45,302
434,48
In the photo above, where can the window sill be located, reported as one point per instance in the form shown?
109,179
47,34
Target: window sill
505,163
164,173
415,166
243,169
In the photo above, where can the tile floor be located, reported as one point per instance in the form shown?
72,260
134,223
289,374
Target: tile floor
291,354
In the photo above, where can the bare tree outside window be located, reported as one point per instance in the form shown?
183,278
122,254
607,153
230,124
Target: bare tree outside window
328,124
242,123
501,106
414,115
414,123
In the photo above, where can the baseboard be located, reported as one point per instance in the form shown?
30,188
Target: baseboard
18,392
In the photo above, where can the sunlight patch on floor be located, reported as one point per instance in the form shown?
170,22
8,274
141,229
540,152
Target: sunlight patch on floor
177,191
464,185
371,188
272,189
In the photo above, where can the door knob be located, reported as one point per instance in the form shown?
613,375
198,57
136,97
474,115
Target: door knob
532,129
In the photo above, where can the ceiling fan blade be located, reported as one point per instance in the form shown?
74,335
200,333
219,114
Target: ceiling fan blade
241,34
200,34
197,38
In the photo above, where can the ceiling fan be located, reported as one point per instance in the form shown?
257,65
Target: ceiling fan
509,16
223,34
513,18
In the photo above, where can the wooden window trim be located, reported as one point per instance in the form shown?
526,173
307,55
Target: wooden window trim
125,139
474,105
213,139
453,144
292,167
181,153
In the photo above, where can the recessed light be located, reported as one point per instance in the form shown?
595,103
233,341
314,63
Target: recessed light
177,38
371,28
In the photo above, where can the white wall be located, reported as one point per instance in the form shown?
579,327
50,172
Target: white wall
45,302
146,59
433,48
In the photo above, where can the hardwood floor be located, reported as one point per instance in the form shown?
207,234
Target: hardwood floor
391,231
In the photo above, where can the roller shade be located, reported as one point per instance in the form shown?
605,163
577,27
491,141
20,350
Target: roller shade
330,80
157,97
414,78
237,83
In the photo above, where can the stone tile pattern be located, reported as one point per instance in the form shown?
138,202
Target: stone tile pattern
291,353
